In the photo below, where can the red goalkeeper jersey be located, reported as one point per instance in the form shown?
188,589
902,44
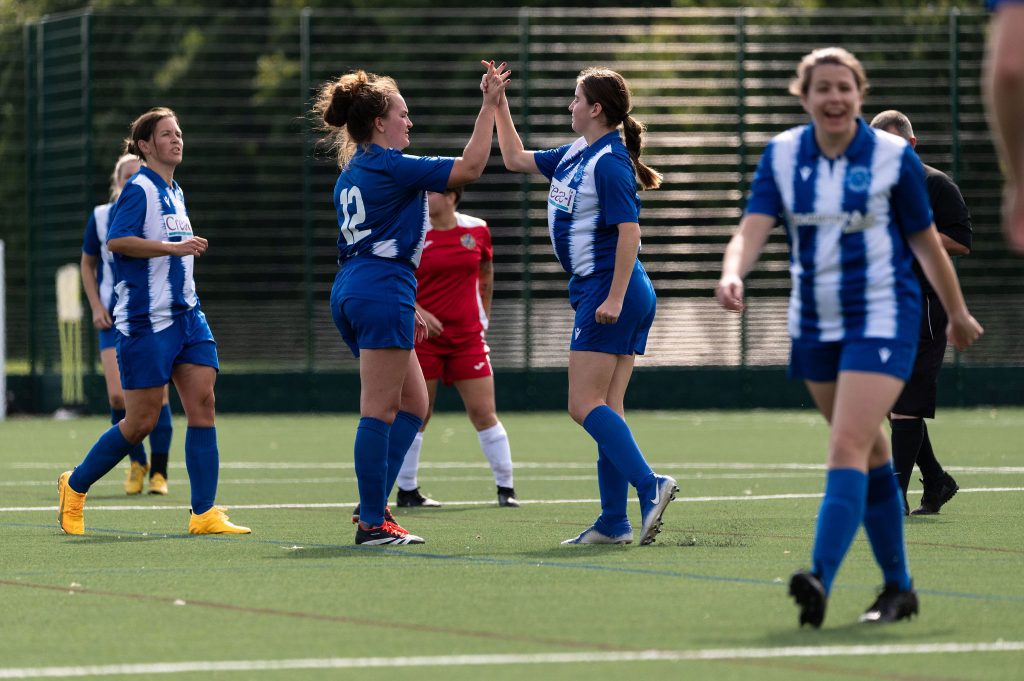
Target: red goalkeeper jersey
448,278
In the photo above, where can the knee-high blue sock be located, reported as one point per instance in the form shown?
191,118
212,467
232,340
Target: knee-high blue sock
616,441
104,455
160,438
883,523
202,460
614,489
840,515
160,441
138,452
403,432
371,456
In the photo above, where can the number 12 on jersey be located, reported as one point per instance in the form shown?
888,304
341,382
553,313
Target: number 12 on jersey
352,197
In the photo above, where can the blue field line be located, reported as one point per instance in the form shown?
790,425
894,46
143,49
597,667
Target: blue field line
484,560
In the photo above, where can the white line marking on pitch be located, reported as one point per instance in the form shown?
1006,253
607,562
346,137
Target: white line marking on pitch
510,659
436,478
533,502
518,465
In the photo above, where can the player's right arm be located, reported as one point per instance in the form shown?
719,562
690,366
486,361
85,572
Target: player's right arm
123,236
470,166
100,315
513,153
90,261
740,255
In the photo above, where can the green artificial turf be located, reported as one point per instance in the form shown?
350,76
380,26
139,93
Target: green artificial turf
136,589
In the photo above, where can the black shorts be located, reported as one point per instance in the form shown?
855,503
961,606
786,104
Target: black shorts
920,392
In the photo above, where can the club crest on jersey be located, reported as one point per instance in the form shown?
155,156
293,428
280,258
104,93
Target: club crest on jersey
468,241
858,179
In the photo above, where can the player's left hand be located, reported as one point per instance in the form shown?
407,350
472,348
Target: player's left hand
608,311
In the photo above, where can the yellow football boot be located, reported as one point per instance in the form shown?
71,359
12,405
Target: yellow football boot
135,476
157,484
70,507
214,521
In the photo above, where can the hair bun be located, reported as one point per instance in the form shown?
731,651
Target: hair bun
345,92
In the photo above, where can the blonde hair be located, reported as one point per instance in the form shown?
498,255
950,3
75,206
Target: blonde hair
801,84
115,188
348,108
609,89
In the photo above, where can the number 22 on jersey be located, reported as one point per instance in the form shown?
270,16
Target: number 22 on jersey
351,200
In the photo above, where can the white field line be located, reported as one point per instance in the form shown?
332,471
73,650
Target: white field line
435,478
525,502
518,465
510,659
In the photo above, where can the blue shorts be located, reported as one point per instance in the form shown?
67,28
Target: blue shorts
108,338
148,361
822,362
628,335
373,303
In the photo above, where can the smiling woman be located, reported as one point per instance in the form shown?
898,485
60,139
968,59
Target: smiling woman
380,198
856,212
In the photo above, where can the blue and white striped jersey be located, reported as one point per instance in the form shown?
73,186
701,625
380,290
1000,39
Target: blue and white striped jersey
382,205
593,190
846,222
95,244
151,292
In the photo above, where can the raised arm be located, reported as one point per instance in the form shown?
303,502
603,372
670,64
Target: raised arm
963,329
516,158
470,166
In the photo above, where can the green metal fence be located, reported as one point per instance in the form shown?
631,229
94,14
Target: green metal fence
710,84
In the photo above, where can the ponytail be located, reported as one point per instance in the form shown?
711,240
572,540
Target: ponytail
648,177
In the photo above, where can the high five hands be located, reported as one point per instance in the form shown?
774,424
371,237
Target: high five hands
494,80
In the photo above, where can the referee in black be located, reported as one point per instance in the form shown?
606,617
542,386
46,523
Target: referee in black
910,442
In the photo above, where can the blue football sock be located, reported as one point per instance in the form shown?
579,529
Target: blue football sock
403,432
614,490
883,523
104,455
616,441
136,453
371,458
160,438
202,460
840,515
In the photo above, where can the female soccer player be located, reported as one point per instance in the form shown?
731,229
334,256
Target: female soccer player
382,216
162,333
454,285
98,281
855,207
594,222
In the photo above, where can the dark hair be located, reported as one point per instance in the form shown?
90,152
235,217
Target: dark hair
348,108
894,121
801,84
457,191
142,128
609,89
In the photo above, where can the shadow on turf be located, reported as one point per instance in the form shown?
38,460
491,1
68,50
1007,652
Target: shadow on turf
114,538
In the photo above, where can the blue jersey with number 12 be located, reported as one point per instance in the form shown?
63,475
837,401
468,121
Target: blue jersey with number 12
382,208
